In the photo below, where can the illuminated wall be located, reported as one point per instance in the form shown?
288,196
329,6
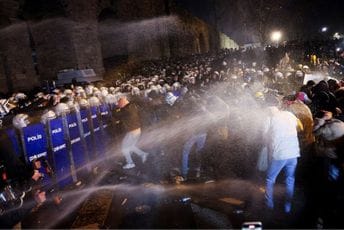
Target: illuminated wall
227,43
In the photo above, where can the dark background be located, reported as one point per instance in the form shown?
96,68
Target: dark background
241,19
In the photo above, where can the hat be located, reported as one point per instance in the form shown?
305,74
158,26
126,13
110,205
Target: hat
302,96
48,115
61,108
20,120
94,101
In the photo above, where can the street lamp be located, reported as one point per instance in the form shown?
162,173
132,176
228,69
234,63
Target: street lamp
324,29
276,36
337,35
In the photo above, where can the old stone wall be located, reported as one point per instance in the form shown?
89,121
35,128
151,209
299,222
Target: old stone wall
66,44
113,36
87,47
16,56
3,80
155,38
141,32
189,35
81,10
149,38
8,12
67,34
54,46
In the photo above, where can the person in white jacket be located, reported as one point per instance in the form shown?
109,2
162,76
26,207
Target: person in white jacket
283,152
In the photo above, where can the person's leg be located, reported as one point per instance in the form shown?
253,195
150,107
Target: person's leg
136,136
289,170
201,138
186,152
272,173
126,147
141,153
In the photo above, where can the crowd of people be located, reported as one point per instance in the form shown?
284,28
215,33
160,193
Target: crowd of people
235,113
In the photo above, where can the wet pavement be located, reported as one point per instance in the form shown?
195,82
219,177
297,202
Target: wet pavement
145,197
128,199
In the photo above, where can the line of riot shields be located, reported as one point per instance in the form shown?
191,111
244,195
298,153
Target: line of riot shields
68,144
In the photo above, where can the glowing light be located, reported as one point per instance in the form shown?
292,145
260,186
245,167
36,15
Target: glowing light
338,49
276,36
324,29
337,35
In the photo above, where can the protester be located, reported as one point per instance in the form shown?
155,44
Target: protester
127,116
284,150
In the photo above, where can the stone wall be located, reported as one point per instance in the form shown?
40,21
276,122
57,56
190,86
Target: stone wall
81,10
189,35
3,79
155,38
8,12
141,32
113,37
16,56
66,44
87,47
149,38
53,55
82,34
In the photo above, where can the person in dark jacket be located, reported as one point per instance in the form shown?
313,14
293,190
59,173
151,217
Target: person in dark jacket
127,116
17,179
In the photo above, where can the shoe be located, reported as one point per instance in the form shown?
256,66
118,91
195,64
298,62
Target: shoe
179,179
129,166
144,157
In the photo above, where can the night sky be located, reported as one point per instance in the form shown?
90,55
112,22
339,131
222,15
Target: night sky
295,18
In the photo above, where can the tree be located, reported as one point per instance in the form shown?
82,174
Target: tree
253,18
265,14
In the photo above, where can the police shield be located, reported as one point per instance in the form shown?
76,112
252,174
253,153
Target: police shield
35,142
105,115
84,115
35,147
106,123
98,136
77,147
60,153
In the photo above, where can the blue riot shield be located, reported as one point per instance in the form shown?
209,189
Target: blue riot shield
77,147
105,115
97,133
107,133
61,158
84,114
35,146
